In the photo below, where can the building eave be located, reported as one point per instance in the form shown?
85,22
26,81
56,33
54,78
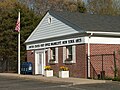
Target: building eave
100,33
59,38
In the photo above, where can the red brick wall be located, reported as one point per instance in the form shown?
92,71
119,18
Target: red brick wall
108,60
77,69
31,58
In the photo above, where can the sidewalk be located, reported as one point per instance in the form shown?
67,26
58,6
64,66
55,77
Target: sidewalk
71,80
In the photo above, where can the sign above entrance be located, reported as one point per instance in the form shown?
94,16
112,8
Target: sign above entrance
56,43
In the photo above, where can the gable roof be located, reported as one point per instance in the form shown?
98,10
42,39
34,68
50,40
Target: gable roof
72,23
90,22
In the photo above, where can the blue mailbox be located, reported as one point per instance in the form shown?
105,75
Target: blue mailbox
26,68
29,68
23,68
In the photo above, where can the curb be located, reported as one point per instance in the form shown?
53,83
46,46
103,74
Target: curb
72,81
35,77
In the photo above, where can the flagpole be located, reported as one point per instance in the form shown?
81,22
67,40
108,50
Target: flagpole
19,52
19,46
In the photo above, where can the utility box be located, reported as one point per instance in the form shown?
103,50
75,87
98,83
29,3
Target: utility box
102,74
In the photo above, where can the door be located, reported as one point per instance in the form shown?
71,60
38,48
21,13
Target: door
39,62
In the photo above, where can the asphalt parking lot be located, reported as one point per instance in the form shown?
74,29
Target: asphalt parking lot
100,86
11,83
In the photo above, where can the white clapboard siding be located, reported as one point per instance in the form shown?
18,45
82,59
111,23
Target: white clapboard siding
64,54
48,30
74,53
56,54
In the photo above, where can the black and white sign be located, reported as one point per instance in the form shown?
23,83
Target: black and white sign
55,43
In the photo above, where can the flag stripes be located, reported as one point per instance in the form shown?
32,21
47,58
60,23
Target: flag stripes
17,28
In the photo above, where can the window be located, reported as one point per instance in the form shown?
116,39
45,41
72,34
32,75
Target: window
49,20
53,55
69,54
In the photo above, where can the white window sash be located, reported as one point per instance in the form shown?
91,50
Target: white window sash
49,54
74,54
67,52
56,54
64,54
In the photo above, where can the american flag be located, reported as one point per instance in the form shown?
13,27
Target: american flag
17,28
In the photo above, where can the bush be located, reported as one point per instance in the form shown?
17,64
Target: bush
108,78
116,79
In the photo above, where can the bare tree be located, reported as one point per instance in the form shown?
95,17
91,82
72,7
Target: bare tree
41,6
102,7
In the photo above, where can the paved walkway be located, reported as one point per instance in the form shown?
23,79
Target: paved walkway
71,80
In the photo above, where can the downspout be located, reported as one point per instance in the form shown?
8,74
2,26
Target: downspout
88,62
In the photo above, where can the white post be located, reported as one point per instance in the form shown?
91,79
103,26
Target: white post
19,42
19,52
17,28
88,56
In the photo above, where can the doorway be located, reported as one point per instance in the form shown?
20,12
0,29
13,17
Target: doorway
39,62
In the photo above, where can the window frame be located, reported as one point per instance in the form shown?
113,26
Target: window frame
53,55
66,54
52,50
49,20
69,53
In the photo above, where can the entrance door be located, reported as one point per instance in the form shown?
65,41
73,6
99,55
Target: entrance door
39,62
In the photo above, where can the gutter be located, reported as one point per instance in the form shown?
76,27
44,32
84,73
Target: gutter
105,33
88,57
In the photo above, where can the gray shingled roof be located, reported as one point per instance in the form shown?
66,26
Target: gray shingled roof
90,22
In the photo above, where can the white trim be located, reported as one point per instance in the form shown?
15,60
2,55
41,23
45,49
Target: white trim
64,54
56,55
49,20
49,54
88,58
74,54
104,33
103,40
94,40
35,63
71,41
43,61
67,52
